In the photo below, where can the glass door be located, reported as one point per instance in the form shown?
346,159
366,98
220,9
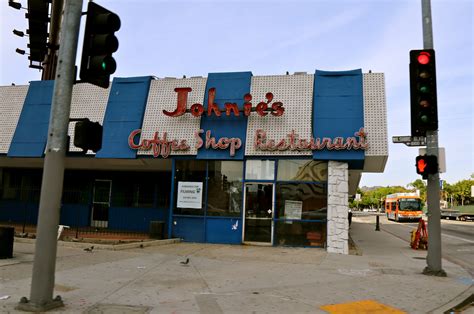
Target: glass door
101,203
258,224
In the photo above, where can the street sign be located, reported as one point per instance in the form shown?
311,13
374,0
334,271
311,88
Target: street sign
410,140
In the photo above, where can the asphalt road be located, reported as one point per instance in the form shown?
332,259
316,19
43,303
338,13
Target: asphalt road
457,239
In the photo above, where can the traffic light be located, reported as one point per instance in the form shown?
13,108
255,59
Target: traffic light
88,135
426,164
424,112
97,63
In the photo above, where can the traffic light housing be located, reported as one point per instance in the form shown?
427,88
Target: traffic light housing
426,164
97,63
88,135
424,112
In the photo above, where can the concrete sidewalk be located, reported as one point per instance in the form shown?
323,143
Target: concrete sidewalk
243,279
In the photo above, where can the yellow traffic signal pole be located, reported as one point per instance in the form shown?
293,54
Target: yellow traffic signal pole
433,259
44,264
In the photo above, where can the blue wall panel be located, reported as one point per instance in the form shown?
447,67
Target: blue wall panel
77,215
31,131
338,111
224,230
18,211
230,87
124,113
134,219
190,229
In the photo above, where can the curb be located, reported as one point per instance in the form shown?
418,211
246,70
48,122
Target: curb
110,247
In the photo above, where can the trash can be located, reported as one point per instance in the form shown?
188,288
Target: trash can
157,229
6,241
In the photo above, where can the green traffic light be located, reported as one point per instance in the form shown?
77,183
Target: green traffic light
104,66
424,89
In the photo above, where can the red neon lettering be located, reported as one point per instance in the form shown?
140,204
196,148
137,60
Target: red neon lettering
211,106
197,110
278,109
159,146
182,102
261,107
233,107
198,138
292,142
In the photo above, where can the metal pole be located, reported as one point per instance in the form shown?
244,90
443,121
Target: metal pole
42,283
50,63
433,260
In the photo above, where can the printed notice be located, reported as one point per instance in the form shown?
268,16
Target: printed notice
189,195
293,209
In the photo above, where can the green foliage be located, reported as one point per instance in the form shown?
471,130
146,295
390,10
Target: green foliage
374,198
459,192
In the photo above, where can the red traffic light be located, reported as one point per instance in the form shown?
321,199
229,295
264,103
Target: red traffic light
421,165
426,164
424,57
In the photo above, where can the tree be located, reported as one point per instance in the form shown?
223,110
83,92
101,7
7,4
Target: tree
419,185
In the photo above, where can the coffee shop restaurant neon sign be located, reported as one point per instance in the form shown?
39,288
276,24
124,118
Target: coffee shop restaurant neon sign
162,146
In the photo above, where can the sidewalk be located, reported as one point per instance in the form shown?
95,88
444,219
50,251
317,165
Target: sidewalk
242,279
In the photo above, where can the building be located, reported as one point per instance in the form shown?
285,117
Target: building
231,158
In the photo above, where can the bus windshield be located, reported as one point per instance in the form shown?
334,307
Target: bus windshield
408,204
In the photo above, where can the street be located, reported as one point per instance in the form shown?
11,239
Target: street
457,239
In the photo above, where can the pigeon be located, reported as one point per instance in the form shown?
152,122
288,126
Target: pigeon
89,249
185,262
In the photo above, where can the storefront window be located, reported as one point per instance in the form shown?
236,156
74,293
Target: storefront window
302,170
225,188
260,170
307,201
190,180
300,233
301,210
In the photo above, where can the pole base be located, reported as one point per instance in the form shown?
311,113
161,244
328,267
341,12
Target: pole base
431,272
28,306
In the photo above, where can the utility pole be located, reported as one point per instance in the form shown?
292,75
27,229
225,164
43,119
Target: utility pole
50,62
433,259
42,283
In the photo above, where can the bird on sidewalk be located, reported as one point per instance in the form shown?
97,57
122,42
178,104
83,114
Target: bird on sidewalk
89,249
184,262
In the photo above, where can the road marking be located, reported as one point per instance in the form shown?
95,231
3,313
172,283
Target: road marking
443,234
362,306
454,237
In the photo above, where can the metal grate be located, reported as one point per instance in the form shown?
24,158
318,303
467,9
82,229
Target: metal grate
375,114
163,97
296,94
88,101
12,99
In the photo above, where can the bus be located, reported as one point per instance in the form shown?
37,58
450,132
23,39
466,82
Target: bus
403,206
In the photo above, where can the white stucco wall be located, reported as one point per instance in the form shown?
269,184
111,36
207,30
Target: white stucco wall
338,207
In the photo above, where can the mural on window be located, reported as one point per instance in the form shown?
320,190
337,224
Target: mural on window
301,203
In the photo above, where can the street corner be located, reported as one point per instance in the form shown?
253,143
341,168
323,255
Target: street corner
361,307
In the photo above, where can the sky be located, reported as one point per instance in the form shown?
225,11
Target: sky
268,37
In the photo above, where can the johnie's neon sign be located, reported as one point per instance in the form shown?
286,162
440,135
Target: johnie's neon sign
197,110
162,146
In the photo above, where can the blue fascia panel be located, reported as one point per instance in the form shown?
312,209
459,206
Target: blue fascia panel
31,132
230,87
338,111
124,113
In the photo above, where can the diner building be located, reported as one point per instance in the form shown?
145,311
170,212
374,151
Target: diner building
228,158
